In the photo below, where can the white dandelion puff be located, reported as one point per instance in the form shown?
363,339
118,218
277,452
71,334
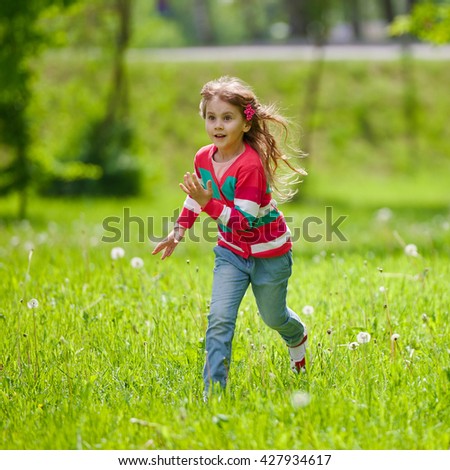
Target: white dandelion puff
33,303
363,337
117,252
353,345
411,250
395,337
300,399
308,310
382,289
15,241
137,262
29,246
384,214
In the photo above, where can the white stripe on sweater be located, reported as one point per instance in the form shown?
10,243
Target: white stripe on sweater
224,216
247,206
192,205
272,245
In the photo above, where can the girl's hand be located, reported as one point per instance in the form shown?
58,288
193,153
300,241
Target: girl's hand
170,242
193,188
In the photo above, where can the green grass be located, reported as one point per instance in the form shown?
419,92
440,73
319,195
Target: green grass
112,357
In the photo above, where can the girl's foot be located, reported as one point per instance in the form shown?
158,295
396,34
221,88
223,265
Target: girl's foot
297,354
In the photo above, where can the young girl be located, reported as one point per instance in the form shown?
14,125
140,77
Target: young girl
233,182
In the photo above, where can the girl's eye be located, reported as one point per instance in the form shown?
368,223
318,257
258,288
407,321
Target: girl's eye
211,118
227,118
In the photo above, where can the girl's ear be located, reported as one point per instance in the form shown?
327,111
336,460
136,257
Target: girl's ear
247,127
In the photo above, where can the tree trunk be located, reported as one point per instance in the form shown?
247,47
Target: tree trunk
118,97
388,10
297,11
311,100
409,5
202,21
355,19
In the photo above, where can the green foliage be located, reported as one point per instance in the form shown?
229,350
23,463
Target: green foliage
103,150
21,38
106,137
428,21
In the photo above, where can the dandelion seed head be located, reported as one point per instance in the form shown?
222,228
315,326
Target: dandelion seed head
94,241
117,252
300,399
424,317
395,337
411,250
382,289
33,303
353,345
137,263
29,246
384,214
15,241
363,337
308,310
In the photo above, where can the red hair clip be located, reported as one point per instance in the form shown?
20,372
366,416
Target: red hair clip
249,112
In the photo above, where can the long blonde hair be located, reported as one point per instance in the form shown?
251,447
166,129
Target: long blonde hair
260,137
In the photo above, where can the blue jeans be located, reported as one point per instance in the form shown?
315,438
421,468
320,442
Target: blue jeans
232,276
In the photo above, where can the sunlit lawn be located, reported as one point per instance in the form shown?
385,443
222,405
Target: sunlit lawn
111,357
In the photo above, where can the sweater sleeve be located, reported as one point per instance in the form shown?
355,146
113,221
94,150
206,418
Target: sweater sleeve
189,213
191,208
242,216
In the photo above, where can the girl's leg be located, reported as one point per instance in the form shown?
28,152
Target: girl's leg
229,286
269,283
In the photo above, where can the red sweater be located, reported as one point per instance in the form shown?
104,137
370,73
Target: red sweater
249,221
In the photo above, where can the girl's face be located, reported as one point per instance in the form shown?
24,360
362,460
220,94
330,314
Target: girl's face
225,125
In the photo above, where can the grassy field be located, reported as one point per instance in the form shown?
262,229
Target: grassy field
111,356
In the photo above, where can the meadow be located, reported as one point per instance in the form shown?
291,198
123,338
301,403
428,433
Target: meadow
110,353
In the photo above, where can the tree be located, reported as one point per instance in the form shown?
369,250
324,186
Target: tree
355,19
298,14
427,21
202,22
388,10
21,41
108,139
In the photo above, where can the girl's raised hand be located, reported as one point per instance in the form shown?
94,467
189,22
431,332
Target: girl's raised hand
195,190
